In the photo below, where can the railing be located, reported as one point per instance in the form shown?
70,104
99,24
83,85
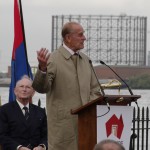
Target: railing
140,129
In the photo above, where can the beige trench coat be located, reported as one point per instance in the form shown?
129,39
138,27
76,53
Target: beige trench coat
66,88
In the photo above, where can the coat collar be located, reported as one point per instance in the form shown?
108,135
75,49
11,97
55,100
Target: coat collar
66,53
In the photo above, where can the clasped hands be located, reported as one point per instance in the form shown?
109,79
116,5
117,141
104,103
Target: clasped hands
35,148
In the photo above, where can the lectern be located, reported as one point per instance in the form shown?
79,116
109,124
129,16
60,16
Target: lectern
87,119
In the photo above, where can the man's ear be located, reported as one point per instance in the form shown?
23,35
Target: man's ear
68,38
33,92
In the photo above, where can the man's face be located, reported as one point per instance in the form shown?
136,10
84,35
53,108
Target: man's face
24,90
76,38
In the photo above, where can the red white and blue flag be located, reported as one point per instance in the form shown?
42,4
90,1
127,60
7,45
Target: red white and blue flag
19,62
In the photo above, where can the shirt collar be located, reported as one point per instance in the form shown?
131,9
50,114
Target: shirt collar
70,50
21,105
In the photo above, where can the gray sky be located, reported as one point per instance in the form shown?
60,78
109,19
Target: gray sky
37,20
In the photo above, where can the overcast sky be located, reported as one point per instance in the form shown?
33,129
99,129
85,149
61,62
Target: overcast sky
37,20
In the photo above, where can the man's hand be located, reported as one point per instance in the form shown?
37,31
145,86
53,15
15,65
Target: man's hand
42,56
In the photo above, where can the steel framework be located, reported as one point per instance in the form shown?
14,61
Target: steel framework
117,40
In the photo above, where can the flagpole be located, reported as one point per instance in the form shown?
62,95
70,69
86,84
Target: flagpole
23,30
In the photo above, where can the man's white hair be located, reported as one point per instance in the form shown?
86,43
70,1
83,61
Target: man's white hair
24,77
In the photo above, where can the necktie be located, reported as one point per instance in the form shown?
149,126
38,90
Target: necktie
74,59
26,112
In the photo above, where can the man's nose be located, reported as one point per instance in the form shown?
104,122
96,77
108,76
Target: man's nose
24,88
84,37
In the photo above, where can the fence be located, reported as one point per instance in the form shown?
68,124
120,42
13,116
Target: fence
140,129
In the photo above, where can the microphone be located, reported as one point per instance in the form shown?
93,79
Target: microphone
118,77
100,87
96,77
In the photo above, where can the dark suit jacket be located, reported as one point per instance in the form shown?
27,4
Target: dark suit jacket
15,130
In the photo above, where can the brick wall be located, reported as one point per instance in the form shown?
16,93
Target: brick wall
125,72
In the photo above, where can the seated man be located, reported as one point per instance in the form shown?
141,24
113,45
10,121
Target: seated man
108,145
23,128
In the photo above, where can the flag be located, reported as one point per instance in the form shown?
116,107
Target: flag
19,62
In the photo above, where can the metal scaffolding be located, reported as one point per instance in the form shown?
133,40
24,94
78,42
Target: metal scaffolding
116,40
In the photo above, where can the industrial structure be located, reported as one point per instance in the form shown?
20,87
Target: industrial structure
116,40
